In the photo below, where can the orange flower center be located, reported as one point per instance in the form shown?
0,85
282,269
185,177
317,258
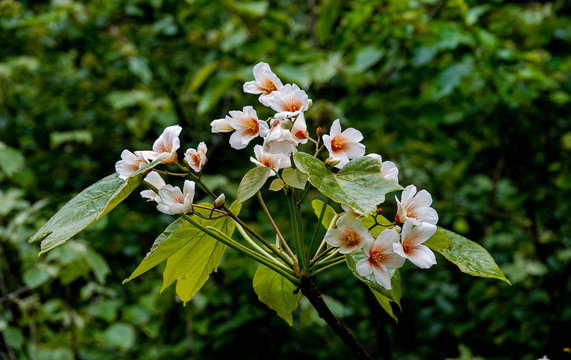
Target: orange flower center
268,86
252,127
292,105
337,144
376,256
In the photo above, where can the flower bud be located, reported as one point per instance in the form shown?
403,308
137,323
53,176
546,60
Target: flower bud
309,104
319,131
287,124
379,211
332,161
219,202
397,228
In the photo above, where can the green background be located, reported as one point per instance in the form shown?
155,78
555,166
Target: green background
470,99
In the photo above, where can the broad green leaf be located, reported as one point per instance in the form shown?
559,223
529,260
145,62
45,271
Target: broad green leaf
251,8
202,75
394,294
438,241
277,292
192,264
277,185
385,303
252,182
174,238
294,178
359,184
120,335
11,160
87,207
317,205
470,257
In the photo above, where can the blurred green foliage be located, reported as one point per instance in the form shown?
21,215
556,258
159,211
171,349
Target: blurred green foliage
470,99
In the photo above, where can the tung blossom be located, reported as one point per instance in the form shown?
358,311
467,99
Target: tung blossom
349,236
279,140
220,125
165,146
388,168
157,181
415,206
174,201
299,129
130,163
196,158
289,101
266,82
273,161
381,257
344,145
411,246
247,127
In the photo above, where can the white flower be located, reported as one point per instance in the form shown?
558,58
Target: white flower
349,236
165,146
344,145
380,257
196,158
349,214
157,181
279,140
221,125
247,127
288,102
130,163
273,161
411,246
299,129
174,201
266,82
388,168
415,206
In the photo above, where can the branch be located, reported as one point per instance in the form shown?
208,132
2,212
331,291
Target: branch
309,289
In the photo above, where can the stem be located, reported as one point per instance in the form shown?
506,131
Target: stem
280,236
297,237
329,264
331,225
225,239
257,247
310,291
318,226
170,173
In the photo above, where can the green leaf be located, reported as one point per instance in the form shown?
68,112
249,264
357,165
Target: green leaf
324,26
317,205
199,254
87,207
394,294
11,160
438,241
385,303
359,184
470,257
277,292
294,178
120,335
369,221
277,185
252,182
251,8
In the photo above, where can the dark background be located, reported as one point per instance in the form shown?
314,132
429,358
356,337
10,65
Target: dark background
469,99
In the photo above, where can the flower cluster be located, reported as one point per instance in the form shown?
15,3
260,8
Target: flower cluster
281,134
170,199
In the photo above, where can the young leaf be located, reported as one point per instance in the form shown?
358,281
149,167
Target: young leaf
385,303
87,207
359,184
317,205
470,257
277,292
252,182
394,294
294,178
277,185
